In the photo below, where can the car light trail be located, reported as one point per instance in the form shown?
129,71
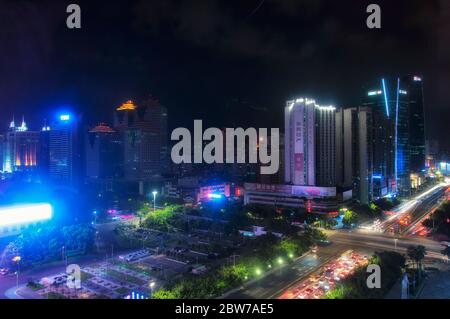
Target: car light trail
317,285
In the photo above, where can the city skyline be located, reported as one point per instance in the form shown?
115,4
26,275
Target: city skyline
259,150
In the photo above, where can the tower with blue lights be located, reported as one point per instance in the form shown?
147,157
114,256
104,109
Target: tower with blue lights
63,153
398,133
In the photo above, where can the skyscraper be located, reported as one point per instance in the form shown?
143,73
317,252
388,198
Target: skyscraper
383,100
144,133
310,143
64,155
416,123
398,133
354,152
104,156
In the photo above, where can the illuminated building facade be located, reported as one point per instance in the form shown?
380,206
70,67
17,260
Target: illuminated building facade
63,158
20,149
387,101
398,133
310,143
320,200
217,191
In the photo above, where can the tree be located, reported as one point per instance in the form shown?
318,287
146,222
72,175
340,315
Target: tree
417,254
350,218
162,293
331,223
289,247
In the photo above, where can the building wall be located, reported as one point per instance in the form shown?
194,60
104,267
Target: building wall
325,143
144,134
310,144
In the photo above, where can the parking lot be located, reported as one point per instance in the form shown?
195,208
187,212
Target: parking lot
112,279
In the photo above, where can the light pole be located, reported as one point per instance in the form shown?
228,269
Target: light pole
154,200
17,260
152,284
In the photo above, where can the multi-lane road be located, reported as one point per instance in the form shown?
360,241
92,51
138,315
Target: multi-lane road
411,212
275,283
365,241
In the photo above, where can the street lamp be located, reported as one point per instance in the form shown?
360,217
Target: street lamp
17,260
151,285
280,261
154,200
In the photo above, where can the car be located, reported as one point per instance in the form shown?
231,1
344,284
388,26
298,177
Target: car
324,242
4,271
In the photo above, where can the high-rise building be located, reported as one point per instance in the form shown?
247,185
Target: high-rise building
354,152
384,101
63,148
144,133
310,144
20,149
44,152
416,123
104,156
398,133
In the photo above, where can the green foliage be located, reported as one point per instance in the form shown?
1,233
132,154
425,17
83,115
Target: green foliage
387,203
253,262
288,246
161,219
38,245
350,218
162,293
341,292
313,234
330,223
440,219
416,254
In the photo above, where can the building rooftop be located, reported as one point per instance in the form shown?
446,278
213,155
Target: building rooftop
102,128
127,106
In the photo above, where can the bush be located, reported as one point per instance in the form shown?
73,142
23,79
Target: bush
38,245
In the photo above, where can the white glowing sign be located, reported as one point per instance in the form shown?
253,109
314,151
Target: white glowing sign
26,214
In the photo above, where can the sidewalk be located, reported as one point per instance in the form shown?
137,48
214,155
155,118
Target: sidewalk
21,292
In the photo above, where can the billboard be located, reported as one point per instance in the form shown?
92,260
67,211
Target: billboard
300,191
25,214
313,191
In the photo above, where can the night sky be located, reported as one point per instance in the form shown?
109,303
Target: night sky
226,62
